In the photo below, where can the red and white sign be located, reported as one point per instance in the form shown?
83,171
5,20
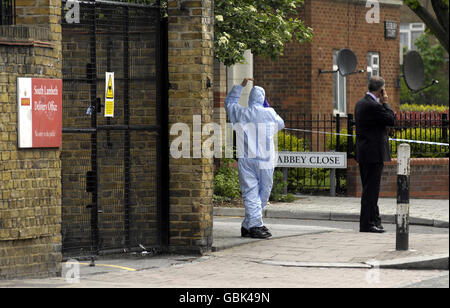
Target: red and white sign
39,112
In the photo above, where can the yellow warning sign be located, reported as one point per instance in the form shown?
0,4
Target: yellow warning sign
110,86
109,94
109,108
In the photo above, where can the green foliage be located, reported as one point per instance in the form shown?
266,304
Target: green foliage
263,26
423,108
278,186
291,143
332,141
434,62
422,150
226,182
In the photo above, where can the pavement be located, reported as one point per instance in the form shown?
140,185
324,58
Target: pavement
422,211
300,254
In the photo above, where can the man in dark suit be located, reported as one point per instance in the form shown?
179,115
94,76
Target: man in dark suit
373,115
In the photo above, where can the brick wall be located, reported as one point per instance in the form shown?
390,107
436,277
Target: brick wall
30,179
190,66
293,82
429,179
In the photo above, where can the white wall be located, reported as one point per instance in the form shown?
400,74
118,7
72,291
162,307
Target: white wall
237,73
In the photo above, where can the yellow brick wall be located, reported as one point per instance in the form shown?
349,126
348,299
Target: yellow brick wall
30,179
190,66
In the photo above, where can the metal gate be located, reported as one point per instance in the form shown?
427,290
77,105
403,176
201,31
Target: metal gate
114,181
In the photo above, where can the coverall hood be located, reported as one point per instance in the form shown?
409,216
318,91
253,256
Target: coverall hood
257,96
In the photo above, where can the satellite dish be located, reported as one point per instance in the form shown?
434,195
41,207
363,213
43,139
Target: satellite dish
413,70
346,61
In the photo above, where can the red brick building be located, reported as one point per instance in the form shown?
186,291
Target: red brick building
293,82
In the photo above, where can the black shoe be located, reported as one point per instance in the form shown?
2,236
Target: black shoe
244,232
258,232
380,226
373,229
265,229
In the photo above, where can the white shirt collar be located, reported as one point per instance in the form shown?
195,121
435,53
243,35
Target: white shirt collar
374,97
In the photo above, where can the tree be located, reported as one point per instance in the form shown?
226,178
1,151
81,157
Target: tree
437,25
263,26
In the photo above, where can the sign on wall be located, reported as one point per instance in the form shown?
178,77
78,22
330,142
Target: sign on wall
328,160
109,94
390,29
39,105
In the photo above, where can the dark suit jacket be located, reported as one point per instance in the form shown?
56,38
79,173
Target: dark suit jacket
372,120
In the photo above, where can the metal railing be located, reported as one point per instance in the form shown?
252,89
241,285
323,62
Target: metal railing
7,12
325,133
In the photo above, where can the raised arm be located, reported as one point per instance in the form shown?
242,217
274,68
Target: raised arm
231,101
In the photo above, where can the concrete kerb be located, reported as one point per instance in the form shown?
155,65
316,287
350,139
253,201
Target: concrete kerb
323,215
434,262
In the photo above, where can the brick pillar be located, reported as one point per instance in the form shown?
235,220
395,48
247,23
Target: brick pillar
191,63
30,179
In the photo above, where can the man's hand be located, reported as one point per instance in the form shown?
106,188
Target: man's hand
244,83
384,97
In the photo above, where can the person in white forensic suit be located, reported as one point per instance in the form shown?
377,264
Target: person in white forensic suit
255,128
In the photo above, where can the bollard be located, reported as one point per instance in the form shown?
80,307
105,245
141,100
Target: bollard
402,218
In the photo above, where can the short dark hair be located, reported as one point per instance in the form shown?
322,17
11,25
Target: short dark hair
376,83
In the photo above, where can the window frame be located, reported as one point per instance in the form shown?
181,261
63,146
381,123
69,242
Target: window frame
409,29
371,56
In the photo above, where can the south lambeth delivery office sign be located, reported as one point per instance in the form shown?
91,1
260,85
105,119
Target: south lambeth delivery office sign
327,160
39,106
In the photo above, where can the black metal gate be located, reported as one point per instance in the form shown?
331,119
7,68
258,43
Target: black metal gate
114,182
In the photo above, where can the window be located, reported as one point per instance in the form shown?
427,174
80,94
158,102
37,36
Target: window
7,12
339,88
409,32
373,64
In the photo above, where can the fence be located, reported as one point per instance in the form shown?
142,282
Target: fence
111,166
430,127
324,133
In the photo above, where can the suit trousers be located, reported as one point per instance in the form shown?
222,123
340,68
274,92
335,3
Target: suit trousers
371,179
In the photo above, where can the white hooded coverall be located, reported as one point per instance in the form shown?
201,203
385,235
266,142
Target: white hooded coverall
255,127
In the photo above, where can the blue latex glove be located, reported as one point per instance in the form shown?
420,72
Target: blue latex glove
266,103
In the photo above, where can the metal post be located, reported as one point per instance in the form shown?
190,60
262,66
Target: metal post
92,75
333,183
403,172
350,124
444,126
127,137
285,181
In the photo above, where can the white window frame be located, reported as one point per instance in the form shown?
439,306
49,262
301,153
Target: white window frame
373,64
339,85
409,30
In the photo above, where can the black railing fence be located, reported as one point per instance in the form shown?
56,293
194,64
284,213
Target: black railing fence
428,135
7,12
